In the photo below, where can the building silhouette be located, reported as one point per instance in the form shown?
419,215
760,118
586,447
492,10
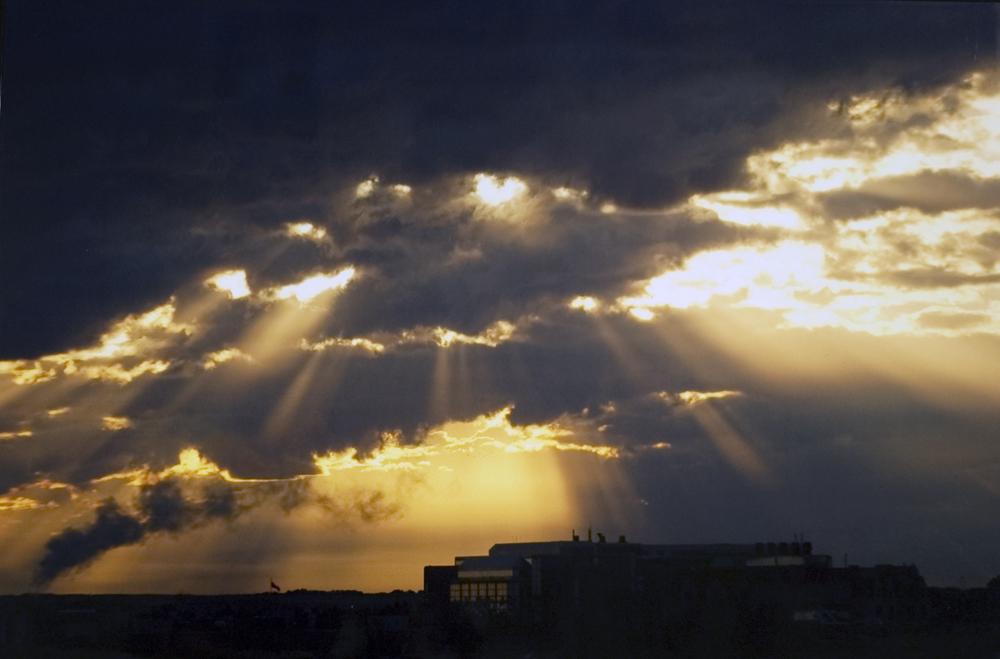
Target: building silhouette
595,593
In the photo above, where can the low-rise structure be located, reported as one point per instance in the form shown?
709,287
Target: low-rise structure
567,583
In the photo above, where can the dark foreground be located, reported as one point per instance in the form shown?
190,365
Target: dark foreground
401,624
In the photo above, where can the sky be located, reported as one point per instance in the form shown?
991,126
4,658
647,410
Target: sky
321,293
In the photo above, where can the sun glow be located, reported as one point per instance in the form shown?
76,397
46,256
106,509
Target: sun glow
757,277
312,287
231,282
584,303
306,230
494,191
466,472
366,187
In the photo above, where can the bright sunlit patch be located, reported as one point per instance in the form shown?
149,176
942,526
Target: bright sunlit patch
565,194
488,432
642,313
963,134
231,282
494,191
26,372
190,462
118,373
115,423
695,397
59,411
16,503
401,190
213,359
312,287
390,455
498,432
492,336
748,214
39,494
584,303
15,434
497,333
357,343
608,208
124,352
366,187
902,244
765,277
306,230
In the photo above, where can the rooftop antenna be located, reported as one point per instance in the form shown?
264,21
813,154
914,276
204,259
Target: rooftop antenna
590,535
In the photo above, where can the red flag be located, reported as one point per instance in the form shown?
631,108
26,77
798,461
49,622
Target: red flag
275,586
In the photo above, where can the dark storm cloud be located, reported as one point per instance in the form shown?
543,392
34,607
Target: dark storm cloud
74,548
160,507
130,129
571,252
561,364
163,507
143,148
819,440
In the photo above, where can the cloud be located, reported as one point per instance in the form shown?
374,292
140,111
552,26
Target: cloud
937,320
297,270
115,423
75,548
15,434
306,230
494,191
12,503
160,507
312,286
125,352
232,282
213,359
219,135
370,507
191,494
488,431
928,191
